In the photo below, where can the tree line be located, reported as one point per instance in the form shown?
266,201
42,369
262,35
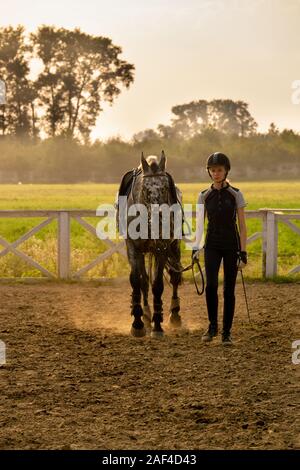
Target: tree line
46,121
61,160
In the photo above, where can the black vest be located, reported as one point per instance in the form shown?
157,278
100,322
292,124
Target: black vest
221,210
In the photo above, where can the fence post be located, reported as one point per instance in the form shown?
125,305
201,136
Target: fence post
63,245
272,244
264,241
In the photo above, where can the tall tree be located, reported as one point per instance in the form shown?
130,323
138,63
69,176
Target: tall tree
226,116
80,73
18,113
232,117
190,119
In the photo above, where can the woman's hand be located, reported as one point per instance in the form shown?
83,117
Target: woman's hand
242,259
243,256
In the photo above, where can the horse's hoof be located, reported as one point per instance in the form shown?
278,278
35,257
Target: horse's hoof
175,320
138,332
157,334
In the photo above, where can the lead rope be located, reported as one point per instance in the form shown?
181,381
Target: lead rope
196,261
186,268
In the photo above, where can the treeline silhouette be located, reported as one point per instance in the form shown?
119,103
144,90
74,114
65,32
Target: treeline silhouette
46,122
63,160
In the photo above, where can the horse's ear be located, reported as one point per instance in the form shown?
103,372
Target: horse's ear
162,163
144,163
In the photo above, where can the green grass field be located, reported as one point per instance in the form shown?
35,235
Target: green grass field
43,246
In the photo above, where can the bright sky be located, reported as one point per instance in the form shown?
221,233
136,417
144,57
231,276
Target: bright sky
186,50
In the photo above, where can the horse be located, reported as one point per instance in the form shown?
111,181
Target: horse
150,185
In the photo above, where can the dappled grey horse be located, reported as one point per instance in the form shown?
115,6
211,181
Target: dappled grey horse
153,185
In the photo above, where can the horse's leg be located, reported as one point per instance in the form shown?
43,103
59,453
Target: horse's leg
176,280
135,260
157,290
145,291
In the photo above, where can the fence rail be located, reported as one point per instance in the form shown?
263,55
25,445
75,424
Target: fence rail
269,234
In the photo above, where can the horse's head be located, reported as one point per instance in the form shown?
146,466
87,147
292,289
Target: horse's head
155,182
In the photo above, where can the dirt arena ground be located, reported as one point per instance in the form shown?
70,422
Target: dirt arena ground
76,379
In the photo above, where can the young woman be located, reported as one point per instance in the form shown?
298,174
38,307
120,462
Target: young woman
222,202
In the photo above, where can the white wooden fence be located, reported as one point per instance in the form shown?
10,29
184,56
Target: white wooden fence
269,235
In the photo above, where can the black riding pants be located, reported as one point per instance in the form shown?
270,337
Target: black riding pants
213,259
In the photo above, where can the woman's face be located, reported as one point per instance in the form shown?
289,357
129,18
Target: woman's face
217,173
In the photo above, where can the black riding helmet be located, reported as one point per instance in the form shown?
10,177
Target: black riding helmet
218,158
